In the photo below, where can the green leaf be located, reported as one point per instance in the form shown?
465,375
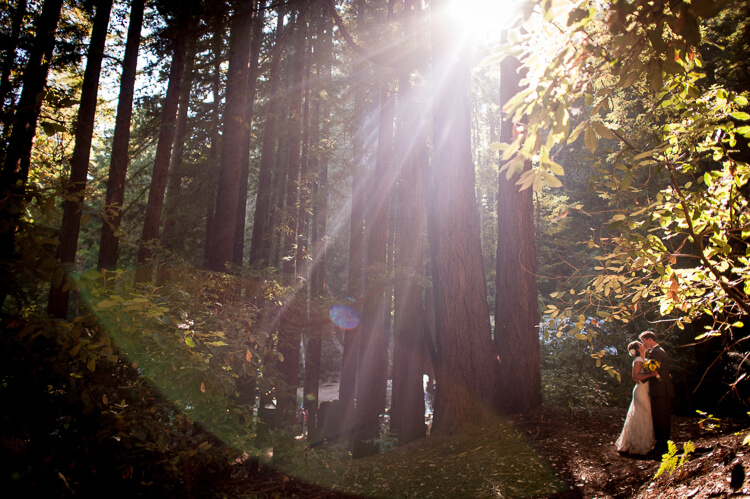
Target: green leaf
590,139
741,116
189,342
603,131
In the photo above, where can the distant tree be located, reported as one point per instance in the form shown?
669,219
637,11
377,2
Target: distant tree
181,31
234,129
113,202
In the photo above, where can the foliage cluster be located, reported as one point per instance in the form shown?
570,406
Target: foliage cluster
161,379
668,156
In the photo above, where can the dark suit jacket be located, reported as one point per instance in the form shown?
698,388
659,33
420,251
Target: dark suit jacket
664,387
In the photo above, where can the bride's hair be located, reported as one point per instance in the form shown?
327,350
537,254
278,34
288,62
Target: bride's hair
633,348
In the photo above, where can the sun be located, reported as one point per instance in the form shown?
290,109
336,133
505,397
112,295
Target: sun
482,18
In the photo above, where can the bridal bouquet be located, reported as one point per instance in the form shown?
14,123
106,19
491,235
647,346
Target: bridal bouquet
652,365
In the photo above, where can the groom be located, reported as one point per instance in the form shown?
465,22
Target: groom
661,391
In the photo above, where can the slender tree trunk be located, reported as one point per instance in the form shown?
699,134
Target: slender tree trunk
290,336
170,234
118,166
167,133
260,244
347,386
319,167
464,387
255,46
370,375
57,305
15,170
516,303
217,28
233,131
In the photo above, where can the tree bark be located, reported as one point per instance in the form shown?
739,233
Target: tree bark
260,244
407,397
167,133
371,366
170,235
15,170
347,387
217,43
516,303
255,46
464,386
70,227
234,127
118,166
319,166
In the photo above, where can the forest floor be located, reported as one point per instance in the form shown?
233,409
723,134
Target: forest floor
551,453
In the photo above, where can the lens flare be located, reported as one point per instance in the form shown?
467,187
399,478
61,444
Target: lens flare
344,317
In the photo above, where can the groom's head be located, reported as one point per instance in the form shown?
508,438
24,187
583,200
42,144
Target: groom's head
648,338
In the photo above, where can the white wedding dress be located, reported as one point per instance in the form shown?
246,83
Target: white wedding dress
637,435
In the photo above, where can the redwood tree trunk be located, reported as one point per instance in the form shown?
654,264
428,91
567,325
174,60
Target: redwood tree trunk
118,166
15,170
170,235
464,382
255,46
516,302
347,386
407,399
160,174
79,163
370,375
225,215
260,244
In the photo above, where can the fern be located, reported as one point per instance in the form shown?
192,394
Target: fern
670,461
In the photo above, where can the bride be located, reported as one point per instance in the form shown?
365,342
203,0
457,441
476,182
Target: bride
637,435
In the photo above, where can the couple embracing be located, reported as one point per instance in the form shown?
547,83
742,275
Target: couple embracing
648,423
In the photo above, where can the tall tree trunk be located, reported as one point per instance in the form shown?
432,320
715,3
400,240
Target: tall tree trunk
370,372
407,399
347,386
290,336
319,167
170,234
516,302
227,195
217,28
70,227
15,170
464,388
255,46
109,242
160,174
260,244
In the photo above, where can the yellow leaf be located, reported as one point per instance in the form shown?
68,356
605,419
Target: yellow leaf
590,139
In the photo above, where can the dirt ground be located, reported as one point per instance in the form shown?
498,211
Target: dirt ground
578,448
